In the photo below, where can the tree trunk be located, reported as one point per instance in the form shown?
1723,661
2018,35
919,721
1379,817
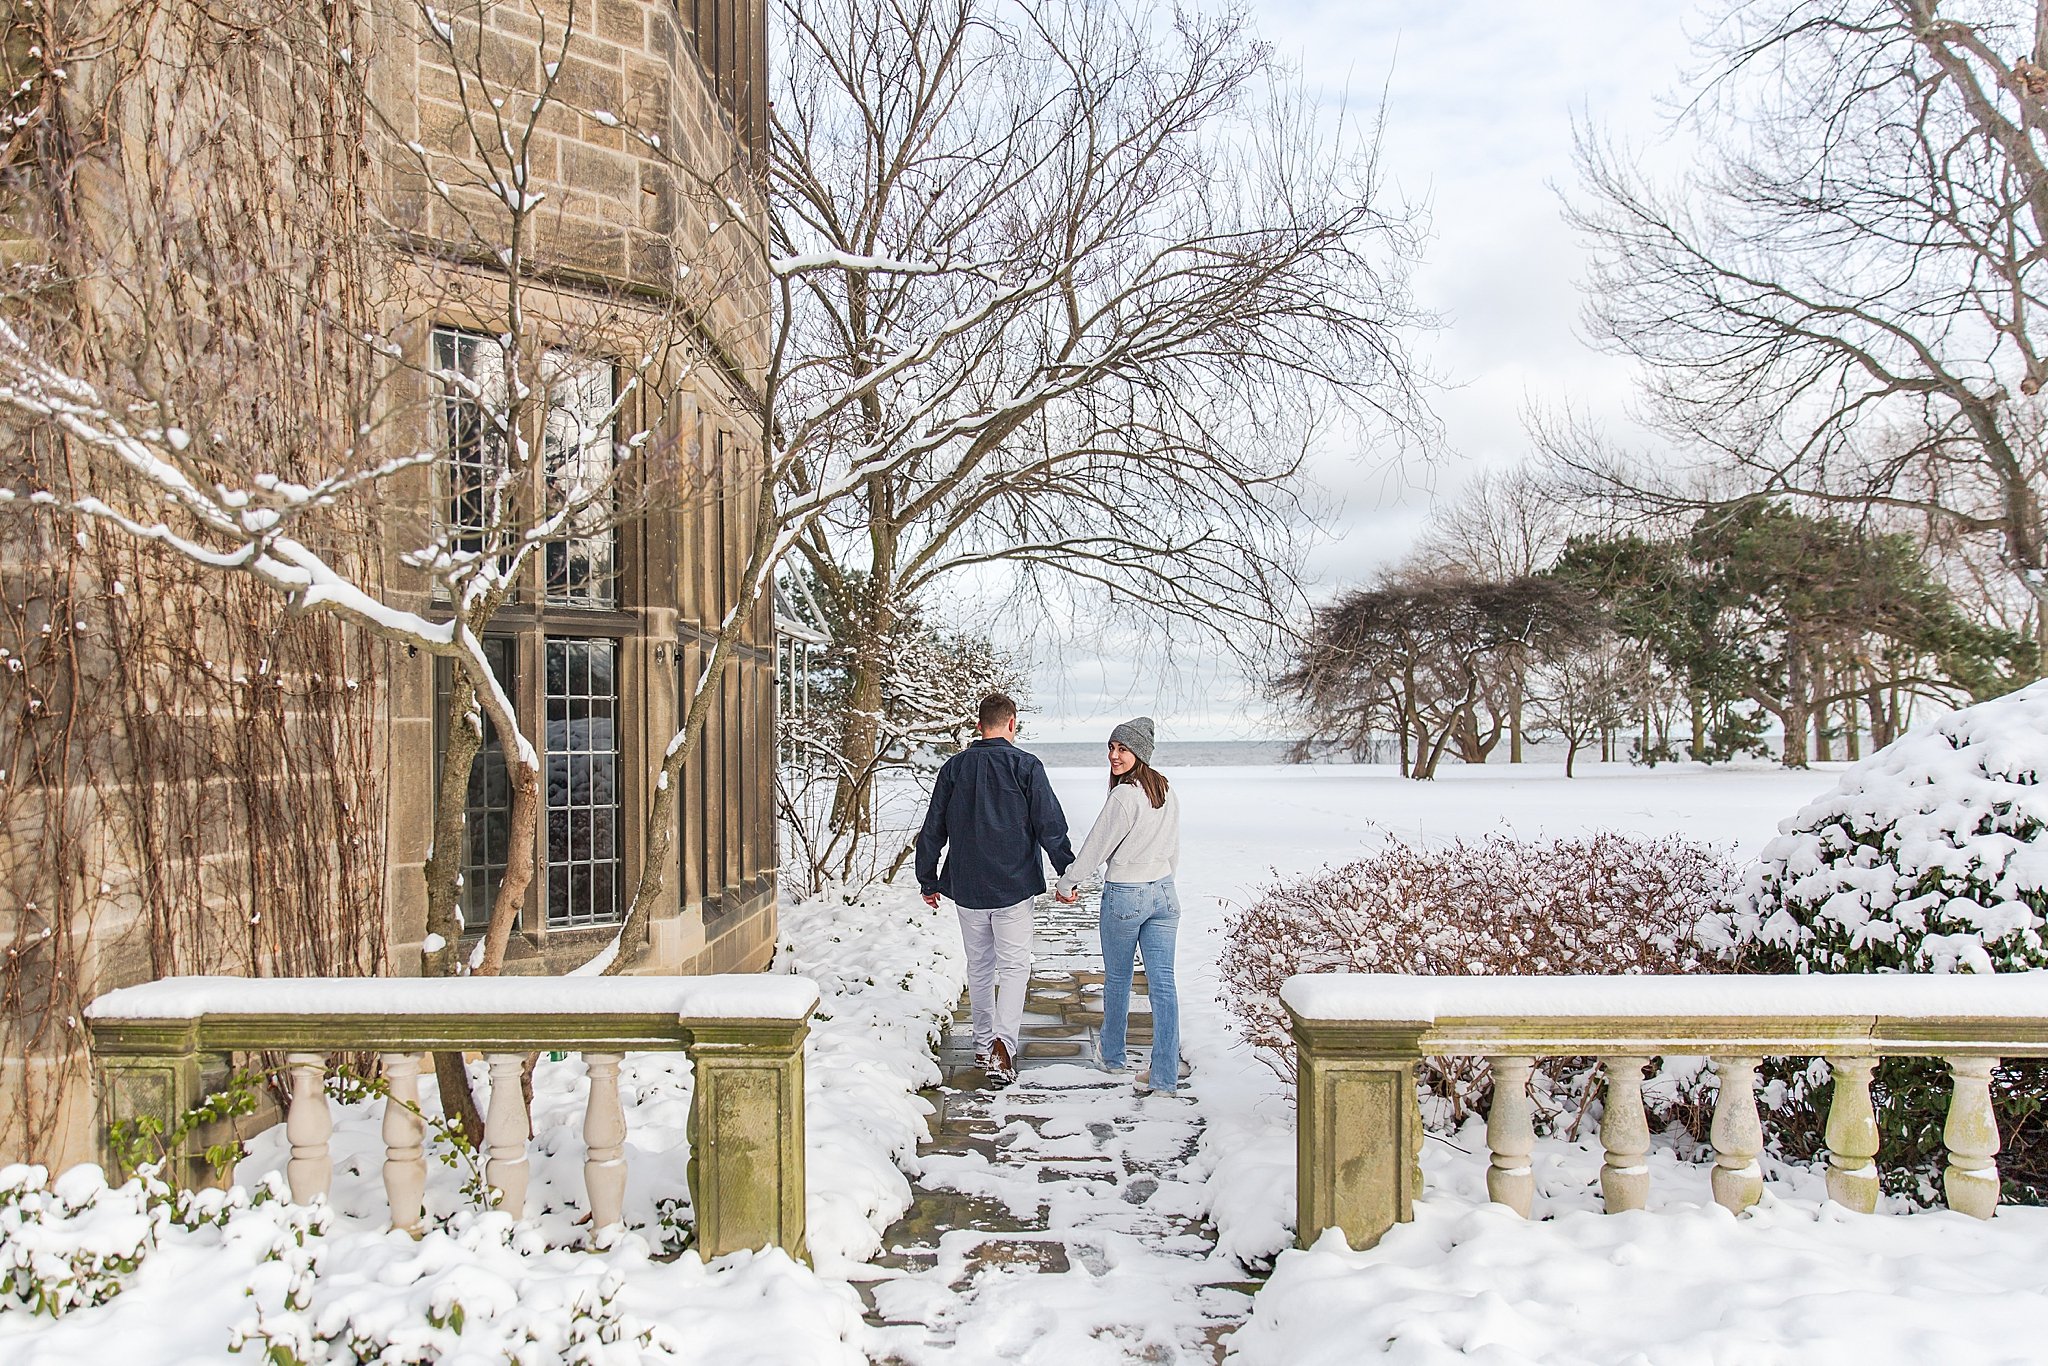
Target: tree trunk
1428,751
853,804
443,873
1516,700
1852,728
1571,753
1880,718
1409,722
1823,742
1699,723
1472,749
1795,717
2040,603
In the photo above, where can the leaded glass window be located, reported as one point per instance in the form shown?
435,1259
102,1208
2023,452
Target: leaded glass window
578,459
584,869
472,382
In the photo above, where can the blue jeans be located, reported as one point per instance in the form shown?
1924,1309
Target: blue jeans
1141,917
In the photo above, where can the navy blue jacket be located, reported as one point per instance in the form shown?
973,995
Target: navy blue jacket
994,808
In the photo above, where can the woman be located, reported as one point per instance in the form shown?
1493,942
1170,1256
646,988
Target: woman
1138,836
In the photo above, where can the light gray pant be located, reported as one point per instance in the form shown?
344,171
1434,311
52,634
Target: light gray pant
998,970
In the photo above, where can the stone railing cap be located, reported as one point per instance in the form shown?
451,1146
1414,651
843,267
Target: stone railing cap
1376,997
733,996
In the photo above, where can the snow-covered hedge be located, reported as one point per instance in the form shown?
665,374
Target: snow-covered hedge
67,1244
1603,903
1927,856
889,970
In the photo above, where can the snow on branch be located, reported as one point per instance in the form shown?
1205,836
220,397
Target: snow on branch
248,525
846,260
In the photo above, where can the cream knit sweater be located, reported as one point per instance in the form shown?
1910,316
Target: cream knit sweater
1140,843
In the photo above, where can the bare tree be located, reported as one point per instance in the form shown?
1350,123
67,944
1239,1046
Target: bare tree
936,678
1094,274
1841,299
1415,655
1588,692
1504,524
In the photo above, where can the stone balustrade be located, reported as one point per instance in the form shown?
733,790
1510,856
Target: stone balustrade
1359,1037
161,1047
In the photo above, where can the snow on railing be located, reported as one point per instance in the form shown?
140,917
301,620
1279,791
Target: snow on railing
159,1047
1360,1036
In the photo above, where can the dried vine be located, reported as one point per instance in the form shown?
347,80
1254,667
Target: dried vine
190,779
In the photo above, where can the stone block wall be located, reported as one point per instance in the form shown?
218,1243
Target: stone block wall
118,864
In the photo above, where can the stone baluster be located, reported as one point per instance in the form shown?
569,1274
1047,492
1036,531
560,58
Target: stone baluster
405,1163
505,1132
604,1140
308,1125
1625,1134
1738,1135
1971,1136
1852,1136
1511,1135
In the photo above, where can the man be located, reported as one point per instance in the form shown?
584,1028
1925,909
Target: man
993,810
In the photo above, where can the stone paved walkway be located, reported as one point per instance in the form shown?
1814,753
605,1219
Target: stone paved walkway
1056,1220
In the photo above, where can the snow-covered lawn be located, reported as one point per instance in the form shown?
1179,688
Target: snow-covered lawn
1794,1281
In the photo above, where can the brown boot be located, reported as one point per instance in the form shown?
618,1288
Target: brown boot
1002,1069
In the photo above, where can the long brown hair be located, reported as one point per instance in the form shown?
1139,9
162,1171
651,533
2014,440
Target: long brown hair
1149,780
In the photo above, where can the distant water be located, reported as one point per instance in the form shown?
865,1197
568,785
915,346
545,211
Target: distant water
1171,754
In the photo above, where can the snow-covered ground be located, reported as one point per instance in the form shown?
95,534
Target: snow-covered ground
1794,1281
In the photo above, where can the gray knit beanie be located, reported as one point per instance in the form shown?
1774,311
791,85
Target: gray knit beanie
1135,736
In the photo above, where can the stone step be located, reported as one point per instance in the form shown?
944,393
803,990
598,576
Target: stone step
1035,1049
1048,1254
1063,1128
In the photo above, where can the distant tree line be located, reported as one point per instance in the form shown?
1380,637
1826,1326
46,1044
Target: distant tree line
1693,641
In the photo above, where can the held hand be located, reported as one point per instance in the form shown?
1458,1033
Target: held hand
1067,898
931,899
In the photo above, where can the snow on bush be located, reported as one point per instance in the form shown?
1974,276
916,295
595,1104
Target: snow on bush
1926,857
207,1272
1605,903
68,1244
1794,1282
890,970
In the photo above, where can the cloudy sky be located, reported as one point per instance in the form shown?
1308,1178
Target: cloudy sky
1480,98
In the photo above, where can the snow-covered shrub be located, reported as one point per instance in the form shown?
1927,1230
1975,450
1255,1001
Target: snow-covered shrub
1926,857
72,1242
483,1289
1605,903
69,1243
890,969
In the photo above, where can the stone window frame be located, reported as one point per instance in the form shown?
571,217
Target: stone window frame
524,627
